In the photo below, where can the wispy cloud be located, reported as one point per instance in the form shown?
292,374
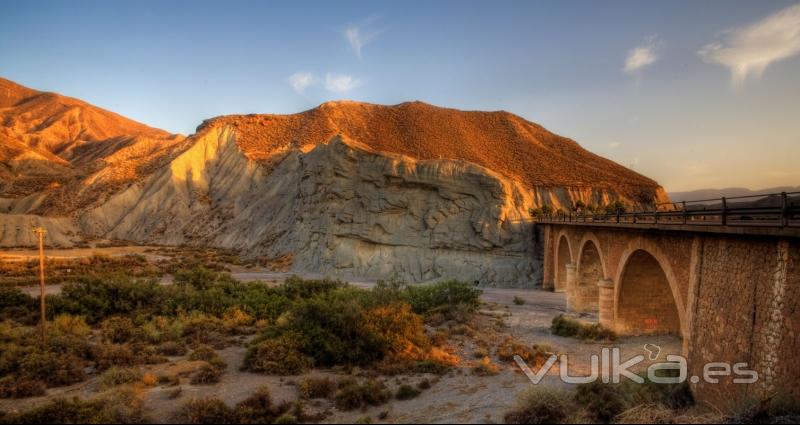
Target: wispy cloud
359,36
341,83
300,81
642,56
614,145
751,49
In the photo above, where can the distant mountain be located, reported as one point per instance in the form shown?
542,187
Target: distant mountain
702,194
71,152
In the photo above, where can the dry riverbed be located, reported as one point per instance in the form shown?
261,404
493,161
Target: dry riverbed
457,396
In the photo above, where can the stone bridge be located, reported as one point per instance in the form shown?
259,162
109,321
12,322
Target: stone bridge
731,293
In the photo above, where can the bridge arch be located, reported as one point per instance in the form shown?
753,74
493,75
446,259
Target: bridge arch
563,258
591,267
647,298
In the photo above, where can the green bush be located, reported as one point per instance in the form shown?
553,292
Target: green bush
570,328
52,368
117,330
172,349
540,405
12,387
352,395
108,355
278,356
121,375
208,354
443,297
98,297
407,392
295,288
316,387
259,409
207,374
122,407
206,411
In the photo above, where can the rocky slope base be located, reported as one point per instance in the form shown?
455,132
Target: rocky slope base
412,192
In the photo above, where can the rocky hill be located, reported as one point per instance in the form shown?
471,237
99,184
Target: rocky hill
411,191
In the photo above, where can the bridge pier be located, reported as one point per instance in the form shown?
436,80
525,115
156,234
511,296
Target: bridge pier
606,303
570,286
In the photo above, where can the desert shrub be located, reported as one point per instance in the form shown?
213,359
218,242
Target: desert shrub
279,356
424,384
296,288
208,354
117,330
200,278
259,409
536,354
12,387
353,395
121,375
207,374
605,402
602,402
407,392
444,297
149,380
109,355
237,320
570,328
17,305
66,324
52,368
13,297
122,407
485,367
172,348
206,411
160,329
518,301
98,297
540,405
316,387
346,326
330,328
201,328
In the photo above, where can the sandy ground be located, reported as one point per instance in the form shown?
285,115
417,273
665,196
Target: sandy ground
458,396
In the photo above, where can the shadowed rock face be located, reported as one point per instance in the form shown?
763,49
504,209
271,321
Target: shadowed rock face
411,191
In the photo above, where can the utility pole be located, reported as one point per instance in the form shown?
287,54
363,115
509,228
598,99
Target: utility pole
41,232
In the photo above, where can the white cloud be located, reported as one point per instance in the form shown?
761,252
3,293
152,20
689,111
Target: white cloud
750,50
300,81
642,56
357,38
614,145
340,83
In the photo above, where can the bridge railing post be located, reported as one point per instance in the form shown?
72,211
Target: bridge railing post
724,211
685,213
784,209
618,214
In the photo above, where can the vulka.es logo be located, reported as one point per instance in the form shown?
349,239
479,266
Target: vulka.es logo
610,368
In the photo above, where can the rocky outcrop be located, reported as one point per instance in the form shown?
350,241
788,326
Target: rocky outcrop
340,208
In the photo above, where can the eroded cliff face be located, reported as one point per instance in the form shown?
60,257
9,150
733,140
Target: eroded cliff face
339,208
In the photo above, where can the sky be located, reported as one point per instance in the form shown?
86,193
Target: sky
693,94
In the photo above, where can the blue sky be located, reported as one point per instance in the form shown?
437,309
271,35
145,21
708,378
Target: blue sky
693,94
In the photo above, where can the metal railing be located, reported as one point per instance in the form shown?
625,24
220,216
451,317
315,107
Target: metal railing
769,210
